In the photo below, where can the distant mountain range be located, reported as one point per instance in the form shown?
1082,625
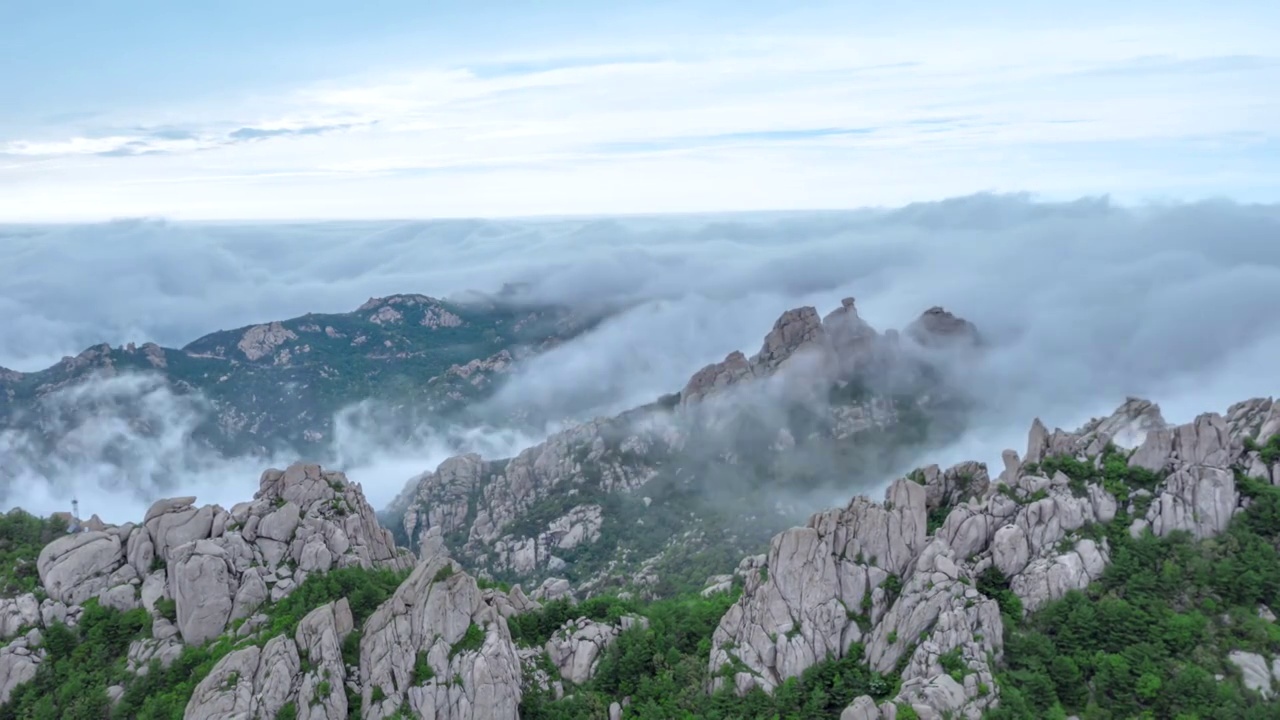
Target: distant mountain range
279,384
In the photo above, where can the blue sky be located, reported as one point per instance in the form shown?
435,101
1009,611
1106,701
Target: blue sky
325,109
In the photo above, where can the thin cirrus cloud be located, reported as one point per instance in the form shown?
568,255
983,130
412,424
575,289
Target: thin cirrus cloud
163,141
810,120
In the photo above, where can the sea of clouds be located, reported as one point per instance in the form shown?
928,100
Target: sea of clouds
1083,303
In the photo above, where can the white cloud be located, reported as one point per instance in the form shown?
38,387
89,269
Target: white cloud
1086,302
727,123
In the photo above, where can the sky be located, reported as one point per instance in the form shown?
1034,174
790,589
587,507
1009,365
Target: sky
333,110
1084,302
1096,187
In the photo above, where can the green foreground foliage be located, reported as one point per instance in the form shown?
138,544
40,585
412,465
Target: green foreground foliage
22,536
1151,637
71,684
663,668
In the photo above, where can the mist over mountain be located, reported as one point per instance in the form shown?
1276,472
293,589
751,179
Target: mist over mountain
1080,304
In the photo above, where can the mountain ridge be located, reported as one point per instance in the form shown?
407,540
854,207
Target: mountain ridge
280,384
821,397
872,611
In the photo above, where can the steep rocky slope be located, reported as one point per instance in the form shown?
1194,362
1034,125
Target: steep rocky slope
279,384
660,497
1125,569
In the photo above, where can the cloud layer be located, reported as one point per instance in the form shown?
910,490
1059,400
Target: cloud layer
828,115
1085,302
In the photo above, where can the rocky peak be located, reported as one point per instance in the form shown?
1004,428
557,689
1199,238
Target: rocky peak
436,613
1257,419
261,341
734,368
95,357
1129,425
852,341
839,346
937,327
219,565
794,330
406,299
826,586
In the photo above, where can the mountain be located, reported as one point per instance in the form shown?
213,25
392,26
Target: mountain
1125,569
715,554
279,384
662,496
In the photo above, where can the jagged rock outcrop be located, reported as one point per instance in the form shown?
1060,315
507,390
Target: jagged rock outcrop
938,328
576,648
76,567
18,613
19,661
219,565
837,370
824,585
838,346
819,577
1255,672
256,682
439,619
938,613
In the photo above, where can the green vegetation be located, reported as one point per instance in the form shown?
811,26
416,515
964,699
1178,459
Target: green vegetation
22,536
1111,470
364,590
422,671
167,608
663,669
698,515
83,662
1270,452
1148,639
472,639
331,361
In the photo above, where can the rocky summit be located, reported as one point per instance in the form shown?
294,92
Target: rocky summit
665,495
668,563
1094,568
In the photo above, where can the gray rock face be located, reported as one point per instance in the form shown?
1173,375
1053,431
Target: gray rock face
863,708
553,589
575,649
938,328
202,584
1026,525
1257,419
1254,671
1199,500
76,567
257,683
477,504
18,613
440,618
19,661
220,566
818,578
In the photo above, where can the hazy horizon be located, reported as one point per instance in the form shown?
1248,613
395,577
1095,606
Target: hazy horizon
1085,302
